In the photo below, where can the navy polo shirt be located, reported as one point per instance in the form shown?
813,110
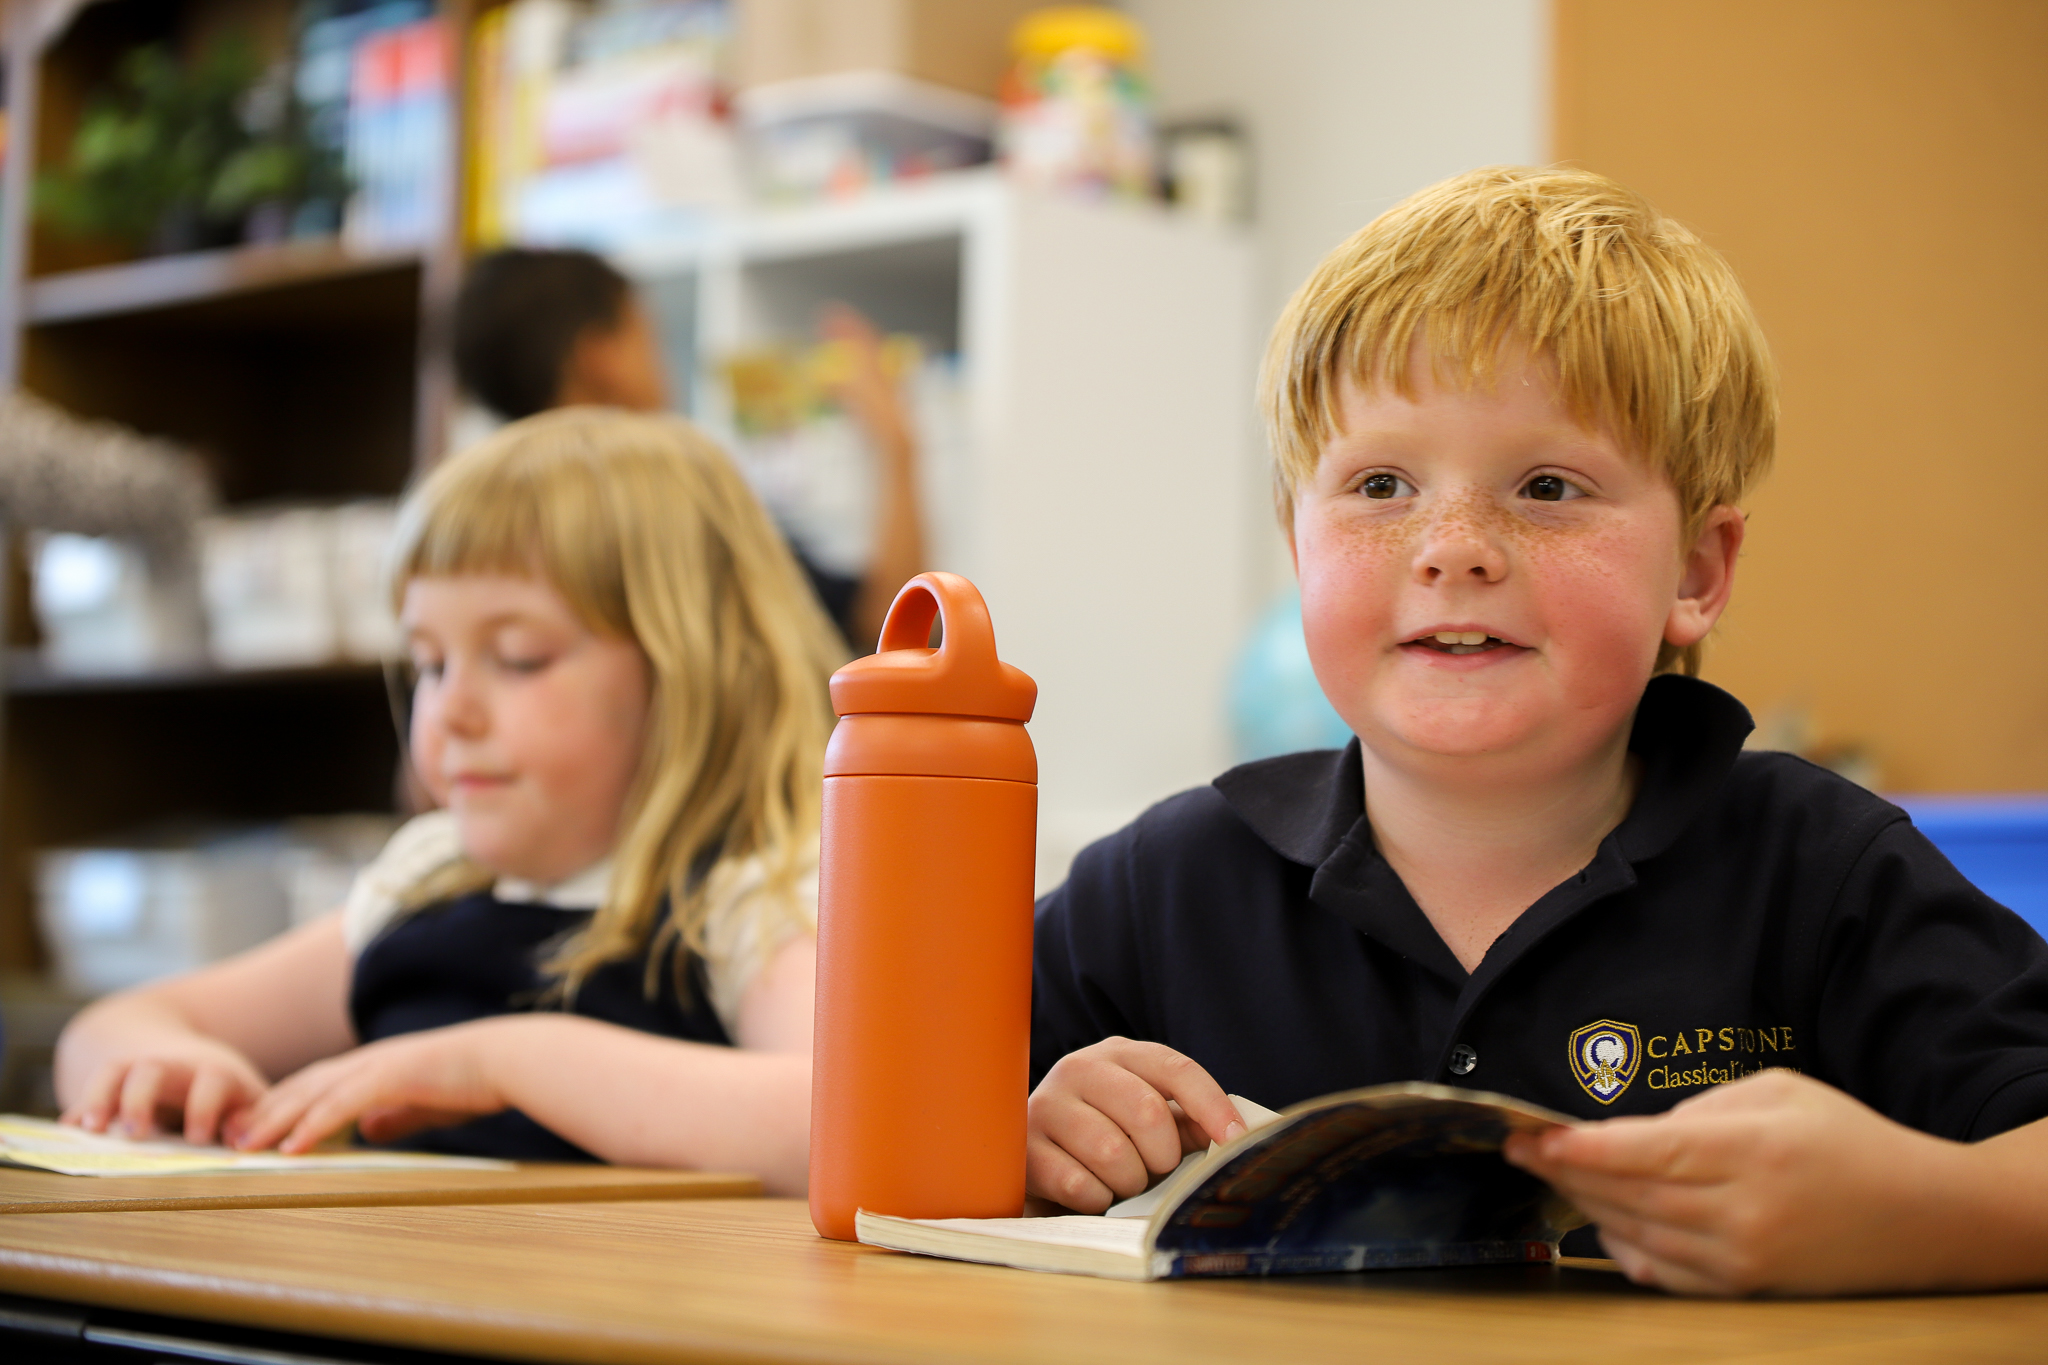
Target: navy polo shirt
1753,910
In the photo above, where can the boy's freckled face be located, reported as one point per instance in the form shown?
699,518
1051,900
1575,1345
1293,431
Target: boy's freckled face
526,724
1480,575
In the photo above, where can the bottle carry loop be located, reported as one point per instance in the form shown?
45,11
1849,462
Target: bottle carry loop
962,677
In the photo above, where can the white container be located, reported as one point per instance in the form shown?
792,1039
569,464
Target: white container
291,587
102,612
360,540
821,137
268,579
115,917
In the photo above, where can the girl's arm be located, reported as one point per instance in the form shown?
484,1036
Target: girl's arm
632,1098
207,1042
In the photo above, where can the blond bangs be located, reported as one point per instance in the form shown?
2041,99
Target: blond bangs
1649,333
524,508
650,534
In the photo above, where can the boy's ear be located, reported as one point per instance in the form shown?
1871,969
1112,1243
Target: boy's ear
1707,577
587,368
616,366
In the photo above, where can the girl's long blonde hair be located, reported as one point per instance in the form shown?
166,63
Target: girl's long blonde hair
649,533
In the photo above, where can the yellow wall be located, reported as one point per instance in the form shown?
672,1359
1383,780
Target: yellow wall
1877,171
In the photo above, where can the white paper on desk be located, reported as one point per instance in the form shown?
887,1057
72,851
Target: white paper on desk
40,1145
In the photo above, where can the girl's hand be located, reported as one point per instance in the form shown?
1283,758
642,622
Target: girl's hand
387,1089
1108,1118
1776,1183
206,1080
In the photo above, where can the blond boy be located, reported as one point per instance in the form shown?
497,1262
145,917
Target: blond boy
1513,421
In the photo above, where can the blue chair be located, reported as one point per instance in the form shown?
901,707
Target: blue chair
1998,842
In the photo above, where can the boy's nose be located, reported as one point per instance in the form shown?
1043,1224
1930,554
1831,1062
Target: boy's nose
1460,545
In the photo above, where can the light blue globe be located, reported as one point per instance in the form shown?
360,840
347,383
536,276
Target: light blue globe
1276,707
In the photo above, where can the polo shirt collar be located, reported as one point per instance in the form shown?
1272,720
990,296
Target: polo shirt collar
1310,809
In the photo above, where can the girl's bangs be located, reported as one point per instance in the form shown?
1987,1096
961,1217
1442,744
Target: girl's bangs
509,508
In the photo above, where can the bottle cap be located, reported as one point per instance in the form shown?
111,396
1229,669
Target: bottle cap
962,677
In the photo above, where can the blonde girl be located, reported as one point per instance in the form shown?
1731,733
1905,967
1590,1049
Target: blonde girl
602,943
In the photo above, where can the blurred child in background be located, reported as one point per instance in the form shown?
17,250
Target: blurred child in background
602,944
541,329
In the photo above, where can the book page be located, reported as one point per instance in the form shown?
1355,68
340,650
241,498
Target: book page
1068,1230
40,1145
1254,1115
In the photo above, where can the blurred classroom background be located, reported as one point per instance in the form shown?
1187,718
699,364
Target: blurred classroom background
234,228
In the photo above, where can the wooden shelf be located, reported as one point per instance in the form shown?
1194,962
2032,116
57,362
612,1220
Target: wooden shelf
29,675
166,282
297,371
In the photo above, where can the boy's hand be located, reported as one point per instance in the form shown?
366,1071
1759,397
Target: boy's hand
1108,1118
205,1079
388,1089
865,389
1776,1183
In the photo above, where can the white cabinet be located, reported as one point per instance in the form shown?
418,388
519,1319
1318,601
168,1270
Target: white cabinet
1102,490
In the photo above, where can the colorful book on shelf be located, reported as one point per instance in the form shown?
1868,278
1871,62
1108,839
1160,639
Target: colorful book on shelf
1392,1176
40,1145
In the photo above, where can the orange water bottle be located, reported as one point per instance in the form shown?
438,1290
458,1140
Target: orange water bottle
923,1042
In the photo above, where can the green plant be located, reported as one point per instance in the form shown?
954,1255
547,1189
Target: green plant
185,151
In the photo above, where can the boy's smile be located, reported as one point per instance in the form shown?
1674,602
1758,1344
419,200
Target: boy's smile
1482,576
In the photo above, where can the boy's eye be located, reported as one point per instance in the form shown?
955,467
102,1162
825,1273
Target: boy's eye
1386,486
1550,488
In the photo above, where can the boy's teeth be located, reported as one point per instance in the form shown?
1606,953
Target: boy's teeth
1461,637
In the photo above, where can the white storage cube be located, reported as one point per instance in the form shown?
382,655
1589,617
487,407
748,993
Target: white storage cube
268,580
102,611
117,917
360,537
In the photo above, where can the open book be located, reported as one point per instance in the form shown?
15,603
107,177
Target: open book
1395,1175
40,1145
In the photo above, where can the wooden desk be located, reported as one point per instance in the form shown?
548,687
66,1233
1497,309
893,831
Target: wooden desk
746,1279
44,1192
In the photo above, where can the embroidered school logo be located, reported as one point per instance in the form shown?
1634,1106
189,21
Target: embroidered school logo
1605,1055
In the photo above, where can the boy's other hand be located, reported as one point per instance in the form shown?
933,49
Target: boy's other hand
865,388
1775,1183
1108,1118
206,1080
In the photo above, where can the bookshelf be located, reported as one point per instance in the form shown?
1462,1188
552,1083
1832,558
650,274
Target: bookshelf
299,370
263,273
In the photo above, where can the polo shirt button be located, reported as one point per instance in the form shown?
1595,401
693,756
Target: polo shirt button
1463,1058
